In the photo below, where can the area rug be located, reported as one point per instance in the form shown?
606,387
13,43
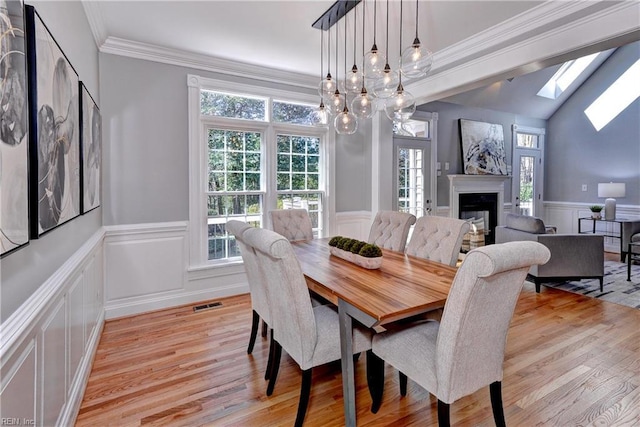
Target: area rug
616,287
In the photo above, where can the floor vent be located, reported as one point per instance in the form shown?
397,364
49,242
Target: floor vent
208,306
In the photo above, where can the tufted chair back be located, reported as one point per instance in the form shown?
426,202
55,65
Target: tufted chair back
438,238
294,224
390,230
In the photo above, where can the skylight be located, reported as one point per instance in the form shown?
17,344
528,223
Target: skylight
567,74
616,98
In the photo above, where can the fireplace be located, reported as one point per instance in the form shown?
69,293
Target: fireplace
482,211
480,197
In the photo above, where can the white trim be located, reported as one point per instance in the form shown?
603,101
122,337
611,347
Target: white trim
149,52
560,27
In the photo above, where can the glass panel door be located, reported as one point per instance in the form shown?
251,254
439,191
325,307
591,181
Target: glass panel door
527,195
412,185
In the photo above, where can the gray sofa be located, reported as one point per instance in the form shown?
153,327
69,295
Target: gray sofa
573,256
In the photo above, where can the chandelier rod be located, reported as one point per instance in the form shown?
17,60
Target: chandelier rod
334,14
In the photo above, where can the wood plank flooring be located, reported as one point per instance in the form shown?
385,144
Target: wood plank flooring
570,361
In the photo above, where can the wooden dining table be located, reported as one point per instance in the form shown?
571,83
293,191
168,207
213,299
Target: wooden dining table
403,287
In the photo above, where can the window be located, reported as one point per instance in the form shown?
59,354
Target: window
252,149
566,74
616,98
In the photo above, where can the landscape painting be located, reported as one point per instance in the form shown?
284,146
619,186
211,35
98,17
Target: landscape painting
91,148
55,140
483,150
14,150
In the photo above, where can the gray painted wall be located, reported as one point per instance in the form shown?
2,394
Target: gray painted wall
577,154
24,271
449,137
145,129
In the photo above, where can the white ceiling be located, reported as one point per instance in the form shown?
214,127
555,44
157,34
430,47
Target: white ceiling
279,34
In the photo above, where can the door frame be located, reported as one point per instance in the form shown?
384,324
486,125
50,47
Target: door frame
538,185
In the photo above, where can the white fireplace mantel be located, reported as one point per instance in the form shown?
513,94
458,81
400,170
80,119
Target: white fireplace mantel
466,184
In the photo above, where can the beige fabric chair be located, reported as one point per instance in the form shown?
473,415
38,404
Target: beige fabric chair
294,224
438,238
310,335
465,351
256,280
390,230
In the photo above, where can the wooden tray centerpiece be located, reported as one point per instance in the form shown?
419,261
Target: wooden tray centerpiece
363,254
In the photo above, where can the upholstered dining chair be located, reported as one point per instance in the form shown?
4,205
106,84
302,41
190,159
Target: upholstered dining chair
255,277
437,238
310,335
294,224
390,230
465,350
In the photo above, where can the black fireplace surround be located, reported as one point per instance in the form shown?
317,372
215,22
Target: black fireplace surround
481,205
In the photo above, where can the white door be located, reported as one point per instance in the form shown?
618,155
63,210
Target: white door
527,171
412,165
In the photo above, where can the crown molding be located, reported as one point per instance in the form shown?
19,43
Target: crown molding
117,46
529,42
96,23
530,37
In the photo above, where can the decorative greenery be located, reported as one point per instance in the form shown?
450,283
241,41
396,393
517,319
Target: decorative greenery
370,251
596,208
355,246
334,241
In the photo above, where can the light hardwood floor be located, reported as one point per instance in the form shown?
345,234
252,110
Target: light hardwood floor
570,361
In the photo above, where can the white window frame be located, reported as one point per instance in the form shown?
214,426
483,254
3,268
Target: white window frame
198,154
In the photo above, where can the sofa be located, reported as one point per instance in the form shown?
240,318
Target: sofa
573,256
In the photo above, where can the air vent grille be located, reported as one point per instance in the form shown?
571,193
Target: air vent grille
207,306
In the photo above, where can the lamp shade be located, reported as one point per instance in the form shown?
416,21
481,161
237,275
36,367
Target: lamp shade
611,189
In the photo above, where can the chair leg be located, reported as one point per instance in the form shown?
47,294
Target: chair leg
496,404
443,414
267,373
375,380
305,391
254,331
601,284
275,366
537,282
264,328
403,383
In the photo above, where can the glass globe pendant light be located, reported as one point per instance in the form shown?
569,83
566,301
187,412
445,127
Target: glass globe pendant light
336,101
401,106
320,116
327,85
363,105
374,59
353,80
385,86
416,60
345,123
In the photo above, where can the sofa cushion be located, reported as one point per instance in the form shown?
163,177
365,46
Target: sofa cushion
529,224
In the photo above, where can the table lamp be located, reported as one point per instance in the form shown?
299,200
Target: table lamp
611,190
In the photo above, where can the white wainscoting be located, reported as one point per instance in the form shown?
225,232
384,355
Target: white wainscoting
564,215
148,270
47,345
353,224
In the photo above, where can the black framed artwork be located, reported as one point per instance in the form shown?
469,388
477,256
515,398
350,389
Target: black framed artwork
54,131
14,150
483,150
91,150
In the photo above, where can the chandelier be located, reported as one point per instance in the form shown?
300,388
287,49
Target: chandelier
352,95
